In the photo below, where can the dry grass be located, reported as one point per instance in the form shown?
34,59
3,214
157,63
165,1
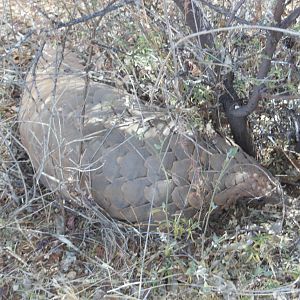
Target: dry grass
53,249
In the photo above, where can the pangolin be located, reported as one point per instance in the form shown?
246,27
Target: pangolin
137,162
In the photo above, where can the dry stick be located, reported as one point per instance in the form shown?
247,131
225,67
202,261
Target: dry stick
289,20
85,93
58,62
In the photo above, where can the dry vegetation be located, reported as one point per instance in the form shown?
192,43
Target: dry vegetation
53,249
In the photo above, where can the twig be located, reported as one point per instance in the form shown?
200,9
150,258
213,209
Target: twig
225,12
110,48
109,8
236,8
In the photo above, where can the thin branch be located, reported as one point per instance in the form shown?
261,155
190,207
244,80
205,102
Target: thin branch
110,48
236,8
225,12
109,8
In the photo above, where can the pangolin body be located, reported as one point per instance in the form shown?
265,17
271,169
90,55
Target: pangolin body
135,161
